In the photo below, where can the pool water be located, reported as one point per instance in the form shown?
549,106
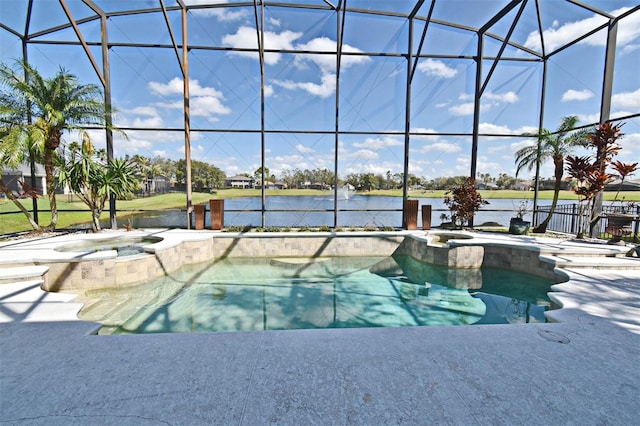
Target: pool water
247,294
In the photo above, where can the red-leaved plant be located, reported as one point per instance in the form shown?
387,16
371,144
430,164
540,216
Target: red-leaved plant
590,173
463,202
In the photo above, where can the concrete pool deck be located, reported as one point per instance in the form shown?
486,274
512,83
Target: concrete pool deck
583,370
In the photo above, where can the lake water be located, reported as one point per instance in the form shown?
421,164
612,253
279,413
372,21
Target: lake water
315,211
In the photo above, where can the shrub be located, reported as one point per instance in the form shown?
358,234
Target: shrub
463,202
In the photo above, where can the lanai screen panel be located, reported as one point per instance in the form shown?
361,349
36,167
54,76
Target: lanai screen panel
363,77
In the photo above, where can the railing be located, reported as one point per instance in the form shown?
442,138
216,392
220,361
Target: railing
566,219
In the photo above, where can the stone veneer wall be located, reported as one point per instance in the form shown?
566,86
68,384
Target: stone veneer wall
466,256
82,274
307,246
118,272
518,259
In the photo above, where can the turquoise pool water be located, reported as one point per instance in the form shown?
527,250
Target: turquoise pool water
245,294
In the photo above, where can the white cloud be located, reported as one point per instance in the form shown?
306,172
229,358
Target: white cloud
490,128
558,35
436,68
285,160
379,142
148,122
516,146
508,97
576,95
222,14
268,90
626,100
466,108
304,149
325,89
630,143
589,118
424,137
175,87
441,146
462,109
247,38
327,63
493,167
493,128
170,105
629,48
143,110
206,106
495,149
204,101
364,154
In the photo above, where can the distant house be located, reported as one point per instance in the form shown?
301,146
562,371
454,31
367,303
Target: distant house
487,186
156,185
239,181
317,185
627,185
526,185
19,180
276,185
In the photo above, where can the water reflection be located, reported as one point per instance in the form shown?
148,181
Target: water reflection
509,297
242,294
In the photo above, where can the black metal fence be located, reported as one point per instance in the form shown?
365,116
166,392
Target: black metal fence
567,218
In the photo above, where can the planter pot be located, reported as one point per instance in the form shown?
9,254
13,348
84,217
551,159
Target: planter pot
619,225
519,226
411,212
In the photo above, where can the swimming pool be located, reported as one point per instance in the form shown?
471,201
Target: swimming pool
275,293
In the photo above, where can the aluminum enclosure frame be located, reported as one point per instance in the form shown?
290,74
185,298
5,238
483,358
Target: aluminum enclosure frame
342,10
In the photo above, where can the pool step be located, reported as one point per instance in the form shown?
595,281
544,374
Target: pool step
25,301
22,273
101,309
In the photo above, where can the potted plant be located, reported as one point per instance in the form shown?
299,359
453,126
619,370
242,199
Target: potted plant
517,224
591,173
463,202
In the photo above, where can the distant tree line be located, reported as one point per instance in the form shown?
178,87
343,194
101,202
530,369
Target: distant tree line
207,177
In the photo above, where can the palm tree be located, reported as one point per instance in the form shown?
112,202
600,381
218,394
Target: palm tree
555,146
94,180
53,105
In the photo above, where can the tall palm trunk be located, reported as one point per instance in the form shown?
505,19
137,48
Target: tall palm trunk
51,145
558,162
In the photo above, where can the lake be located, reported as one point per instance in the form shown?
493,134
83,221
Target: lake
315,211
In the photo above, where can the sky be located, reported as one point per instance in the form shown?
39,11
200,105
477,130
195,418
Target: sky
300,88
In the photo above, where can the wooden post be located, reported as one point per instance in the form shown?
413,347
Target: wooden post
426,216
217,214
200,210
411,208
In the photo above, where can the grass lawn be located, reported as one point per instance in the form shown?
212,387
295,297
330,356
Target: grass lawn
72,212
